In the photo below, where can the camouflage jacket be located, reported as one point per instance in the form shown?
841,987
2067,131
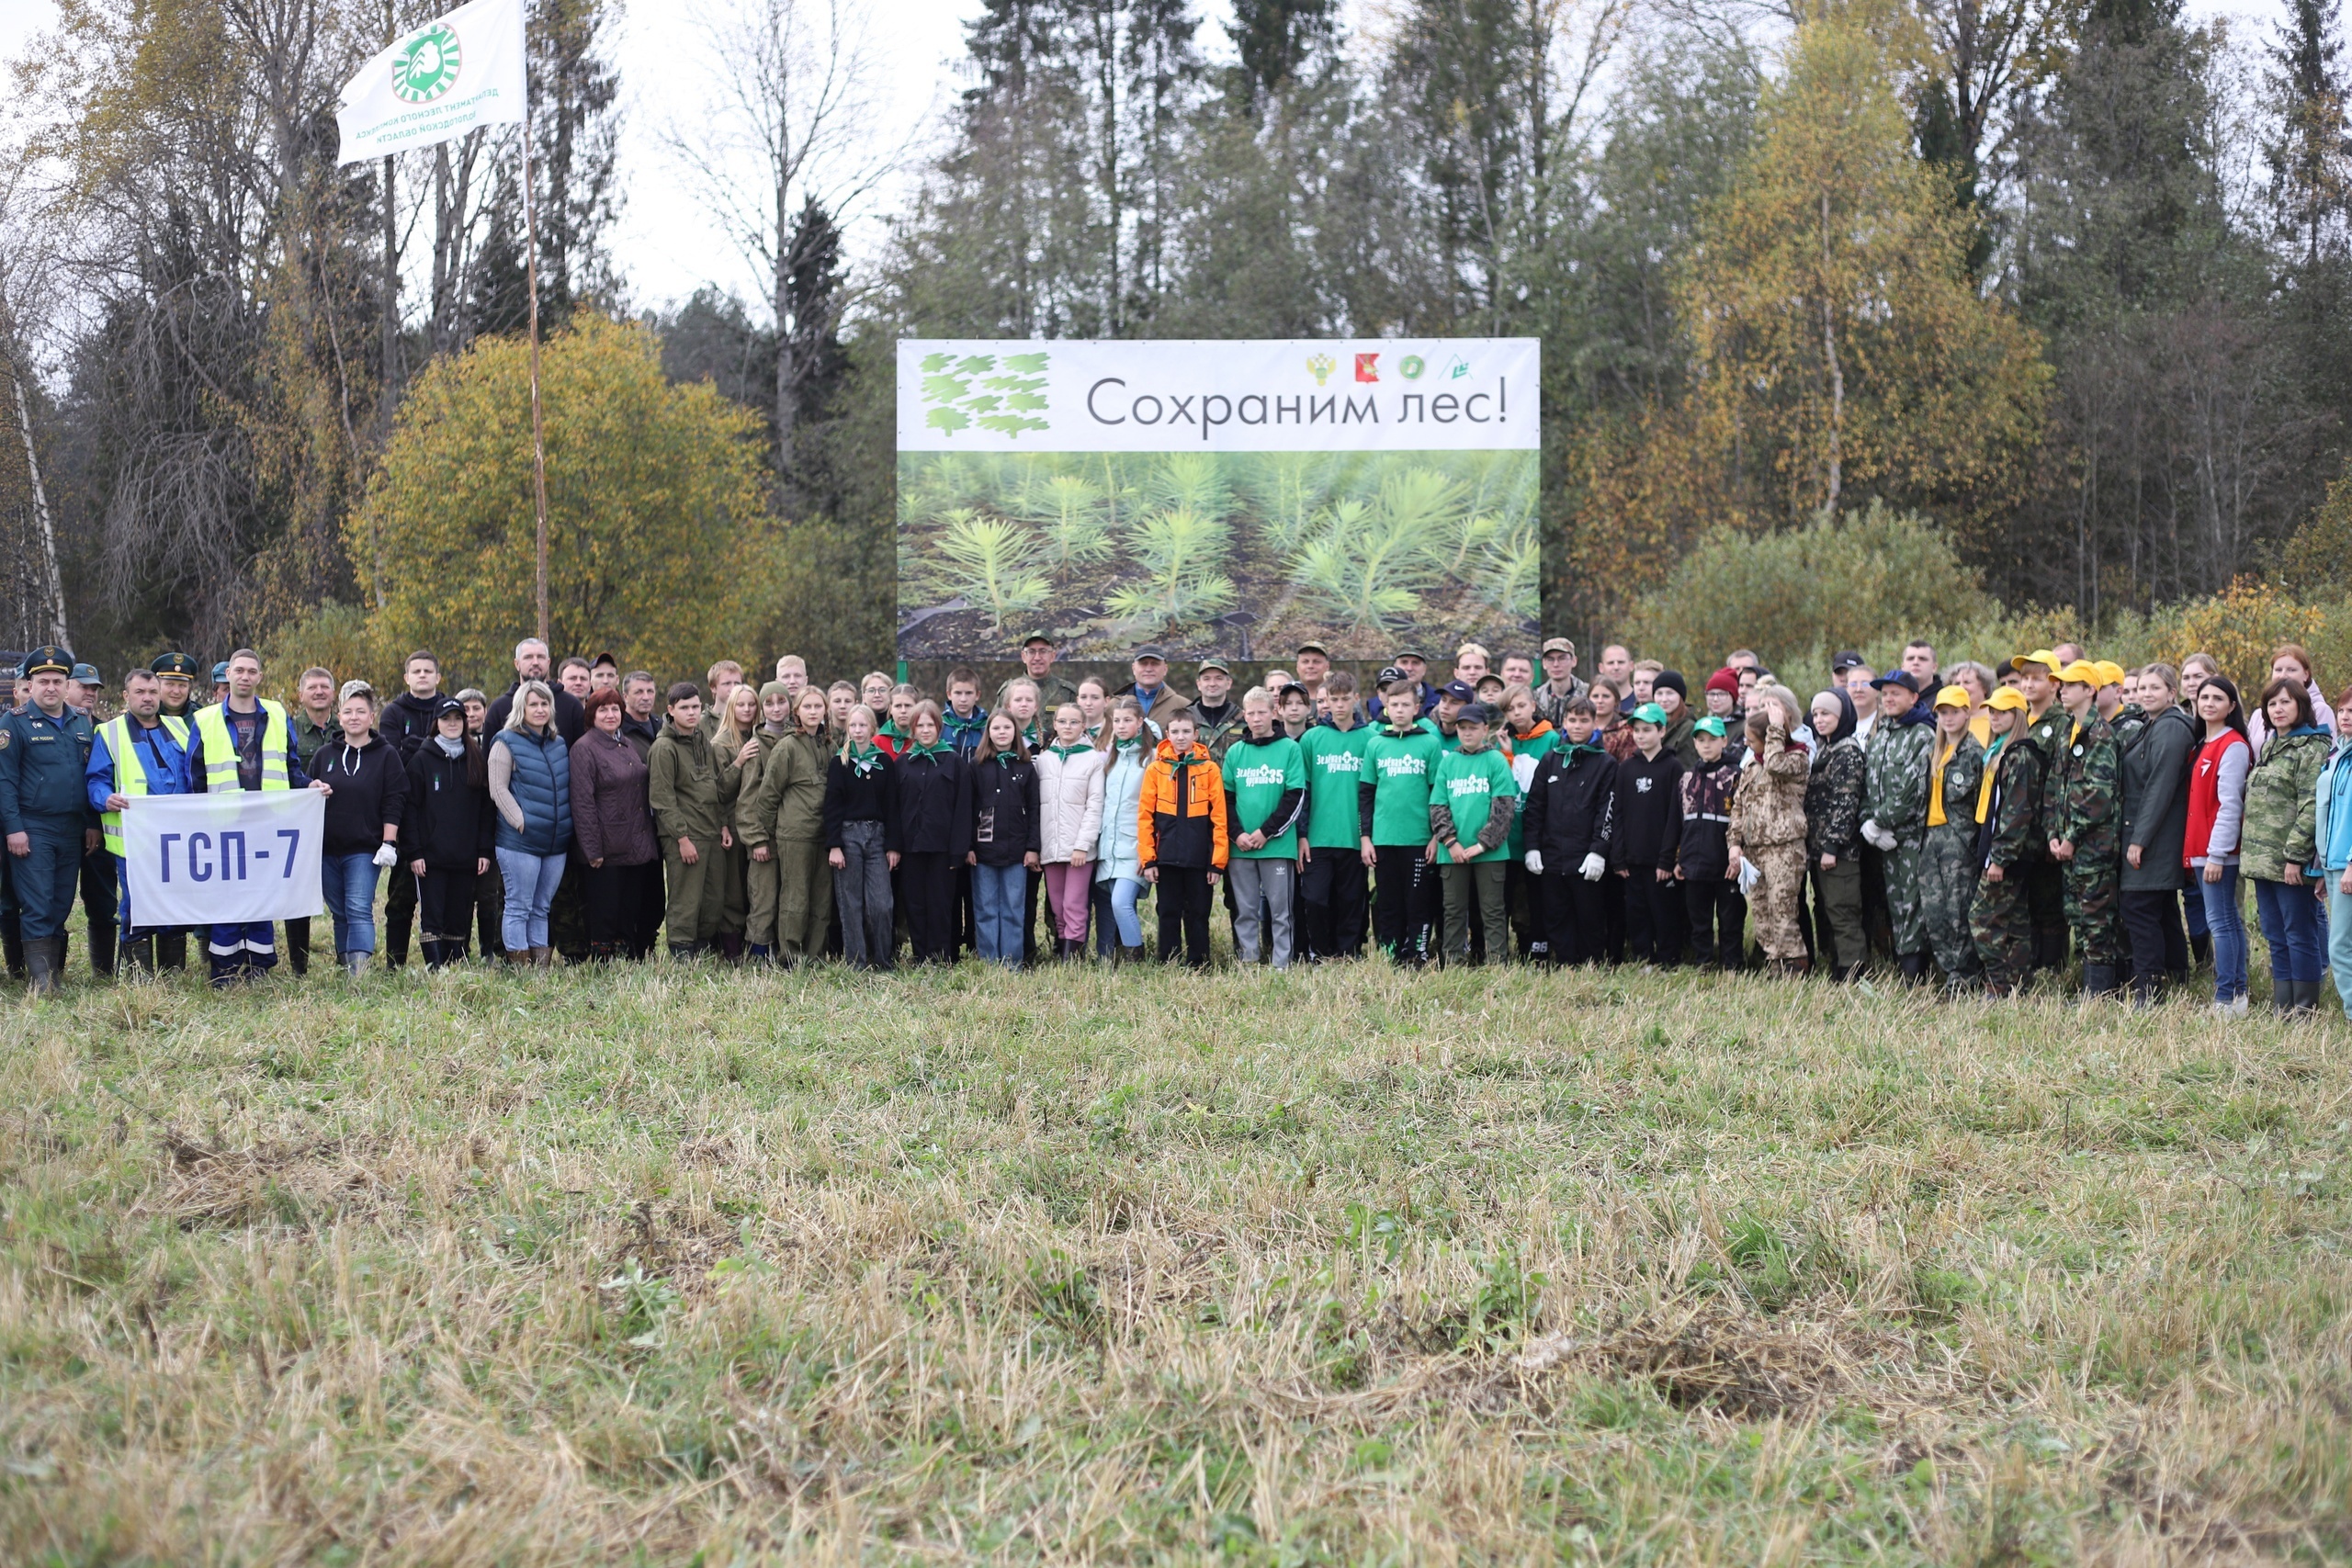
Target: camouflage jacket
1833,800
2282,804
2083,795
1901,758
1767,809
2013,827
1962,776
2046,736
2129,720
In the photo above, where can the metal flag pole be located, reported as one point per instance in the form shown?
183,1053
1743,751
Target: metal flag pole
538,431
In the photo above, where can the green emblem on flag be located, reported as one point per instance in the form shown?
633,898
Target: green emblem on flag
427,66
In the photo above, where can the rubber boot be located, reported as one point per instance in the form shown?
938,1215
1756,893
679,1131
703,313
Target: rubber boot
543,958
1131,955
681,953
12,942
139,955
102,948
731,946
2098,979
760,952
171,950
355,964
41,966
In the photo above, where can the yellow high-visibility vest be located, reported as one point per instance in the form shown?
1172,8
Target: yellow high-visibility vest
129,774
221,747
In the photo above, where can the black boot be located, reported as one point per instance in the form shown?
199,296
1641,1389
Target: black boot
171,950
139,955
2098,979
1914,966
42,959
12,942
102,948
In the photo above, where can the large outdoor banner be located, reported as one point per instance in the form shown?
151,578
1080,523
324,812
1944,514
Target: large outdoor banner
1234,498
200,860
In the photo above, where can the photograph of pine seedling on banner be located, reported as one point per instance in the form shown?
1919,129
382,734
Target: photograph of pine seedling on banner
1215,497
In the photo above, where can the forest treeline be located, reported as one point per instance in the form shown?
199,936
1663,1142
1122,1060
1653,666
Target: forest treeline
2069,281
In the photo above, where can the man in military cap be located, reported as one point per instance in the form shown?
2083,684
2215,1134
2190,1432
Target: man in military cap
177,671
1901,758
221,683
1560,685
1037,655
44,747
140,751
82,688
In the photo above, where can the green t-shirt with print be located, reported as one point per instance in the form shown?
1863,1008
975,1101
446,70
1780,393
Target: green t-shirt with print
1334,772
1398,768
1257,775
1467,783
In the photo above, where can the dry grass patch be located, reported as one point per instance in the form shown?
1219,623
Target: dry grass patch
1337,1267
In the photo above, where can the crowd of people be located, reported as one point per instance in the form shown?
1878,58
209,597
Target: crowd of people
1966,826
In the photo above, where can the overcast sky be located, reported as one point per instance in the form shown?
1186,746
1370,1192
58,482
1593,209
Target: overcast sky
667,244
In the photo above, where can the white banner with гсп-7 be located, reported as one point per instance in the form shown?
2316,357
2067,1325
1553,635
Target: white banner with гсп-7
203,860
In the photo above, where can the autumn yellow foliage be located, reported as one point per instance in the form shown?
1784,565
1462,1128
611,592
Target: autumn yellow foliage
657,521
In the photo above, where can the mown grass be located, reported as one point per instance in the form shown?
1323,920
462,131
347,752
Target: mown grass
670,1266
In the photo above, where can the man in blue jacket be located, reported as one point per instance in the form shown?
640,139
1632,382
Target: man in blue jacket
44,747
143,751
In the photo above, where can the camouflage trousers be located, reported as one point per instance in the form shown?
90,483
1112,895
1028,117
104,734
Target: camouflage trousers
1904,909
2003,931
1780,894
1947,885
2095,902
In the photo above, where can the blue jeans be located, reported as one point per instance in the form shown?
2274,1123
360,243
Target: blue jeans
1000,906
2290,928
530,887
349,882
2339,937
2229,932
1125,893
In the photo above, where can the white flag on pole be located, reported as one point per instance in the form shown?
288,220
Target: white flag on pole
438,83
201,860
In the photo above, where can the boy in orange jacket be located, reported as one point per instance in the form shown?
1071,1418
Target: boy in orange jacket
1181,839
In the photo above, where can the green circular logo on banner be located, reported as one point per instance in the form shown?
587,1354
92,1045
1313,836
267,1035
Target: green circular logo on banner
1412,366
427,66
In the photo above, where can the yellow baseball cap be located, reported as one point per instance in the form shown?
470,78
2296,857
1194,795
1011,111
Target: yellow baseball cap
2082,670
1954,697
2040,656
2008,699
2110,673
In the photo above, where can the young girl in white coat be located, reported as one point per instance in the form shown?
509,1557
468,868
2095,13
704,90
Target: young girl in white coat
1069,819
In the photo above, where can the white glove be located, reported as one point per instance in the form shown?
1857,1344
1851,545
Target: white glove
1875,835
1592,868
1535,863
387,855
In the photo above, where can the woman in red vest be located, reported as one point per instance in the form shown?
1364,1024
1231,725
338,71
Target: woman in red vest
2216,820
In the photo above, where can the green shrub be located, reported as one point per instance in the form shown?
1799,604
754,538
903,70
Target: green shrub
1798,596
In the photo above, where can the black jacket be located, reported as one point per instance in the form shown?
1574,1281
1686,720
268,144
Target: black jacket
571,716
1649,813
1571,806
640,733
407,722
867,795
2156,763
450,824
370,785
1004,810
1705,854
934,800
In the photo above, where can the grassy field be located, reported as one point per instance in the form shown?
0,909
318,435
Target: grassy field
676,1266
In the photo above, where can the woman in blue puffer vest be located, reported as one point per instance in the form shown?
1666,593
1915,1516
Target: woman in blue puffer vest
530,782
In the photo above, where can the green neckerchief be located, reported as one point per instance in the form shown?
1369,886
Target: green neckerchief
867,762
1066,753
936,749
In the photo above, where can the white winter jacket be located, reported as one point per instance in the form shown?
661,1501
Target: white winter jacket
1069,801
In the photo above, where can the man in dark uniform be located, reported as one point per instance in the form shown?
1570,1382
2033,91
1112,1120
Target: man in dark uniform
178,672
81,689
45,746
